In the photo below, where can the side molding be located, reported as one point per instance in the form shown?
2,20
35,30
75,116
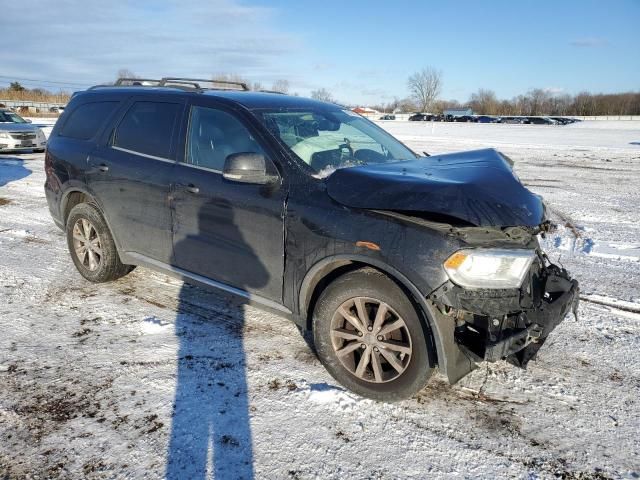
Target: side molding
142,260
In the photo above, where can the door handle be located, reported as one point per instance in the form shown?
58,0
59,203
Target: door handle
191,188
103,168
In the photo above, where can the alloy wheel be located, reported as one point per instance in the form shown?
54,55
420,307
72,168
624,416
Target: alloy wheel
86,244
371,340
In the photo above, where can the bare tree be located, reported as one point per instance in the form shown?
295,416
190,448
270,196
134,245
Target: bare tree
484,101
507,107
280,85
439,106
538,101
425,86
323,95
126,73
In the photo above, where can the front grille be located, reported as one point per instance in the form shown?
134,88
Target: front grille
23,136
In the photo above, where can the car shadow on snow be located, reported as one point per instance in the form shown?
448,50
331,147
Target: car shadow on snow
12,169
211,428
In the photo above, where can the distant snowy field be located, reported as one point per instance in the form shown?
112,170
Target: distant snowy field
112,380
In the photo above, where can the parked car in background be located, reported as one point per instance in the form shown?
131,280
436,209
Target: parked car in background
541,121
511,119
419,117
308,210
17,134
564,120
388,117
485,119
462,118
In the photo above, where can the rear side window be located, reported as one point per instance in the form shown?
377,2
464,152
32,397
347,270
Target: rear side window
86,120
147,128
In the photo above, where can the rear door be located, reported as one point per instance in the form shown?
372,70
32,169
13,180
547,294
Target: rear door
226,231
132,171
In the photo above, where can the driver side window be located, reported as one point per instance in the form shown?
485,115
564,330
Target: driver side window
213,135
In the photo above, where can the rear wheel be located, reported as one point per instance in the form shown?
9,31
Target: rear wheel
92,247
370,338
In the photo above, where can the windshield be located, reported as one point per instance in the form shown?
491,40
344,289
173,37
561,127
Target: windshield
331,139
10,117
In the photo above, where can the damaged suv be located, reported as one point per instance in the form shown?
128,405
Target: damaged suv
397,263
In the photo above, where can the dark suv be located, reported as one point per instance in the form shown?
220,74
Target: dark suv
398,263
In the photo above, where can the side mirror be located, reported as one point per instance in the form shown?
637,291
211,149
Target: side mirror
247,167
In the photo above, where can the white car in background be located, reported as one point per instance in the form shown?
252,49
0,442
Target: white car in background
17,134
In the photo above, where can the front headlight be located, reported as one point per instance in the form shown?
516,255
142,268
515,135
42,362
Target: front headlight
4,135
489,268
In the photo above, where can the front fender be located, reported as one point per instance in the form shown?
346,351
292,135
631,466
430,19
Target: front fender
451,360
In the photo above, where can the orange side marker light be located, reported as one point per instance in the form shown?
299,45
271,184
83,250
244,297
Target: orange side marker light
369,245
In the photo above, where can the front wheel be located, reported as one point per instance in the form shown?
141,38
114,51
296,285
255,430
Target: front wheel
92,247
370,338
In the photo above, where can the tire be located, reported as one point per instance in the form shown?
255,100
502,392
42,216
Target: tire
373,289
101,262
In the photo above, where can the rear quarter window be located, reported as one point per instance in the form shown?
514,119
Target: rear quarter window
147,128
85,121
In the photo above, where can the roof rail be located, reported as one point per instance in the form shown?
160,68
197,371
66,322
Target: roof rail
272,91
177,82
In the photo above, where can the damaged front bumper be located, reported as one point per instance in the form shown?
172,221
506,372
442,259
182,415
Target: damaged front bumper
521,346
491,325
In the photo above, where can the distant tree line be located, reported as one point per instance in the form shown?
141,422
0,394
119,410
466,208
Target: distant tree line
16,91
543,102
425,86
535,102
424,89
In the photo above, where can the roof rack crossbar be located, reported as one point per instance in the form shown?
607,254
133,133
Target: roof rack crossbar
176,82
134,81
196,82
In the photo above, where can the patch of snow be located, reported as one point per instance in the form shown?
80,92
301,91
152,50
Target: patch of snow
334,396
153,325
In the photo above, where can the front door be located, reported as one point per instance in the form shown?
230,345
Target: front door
226,231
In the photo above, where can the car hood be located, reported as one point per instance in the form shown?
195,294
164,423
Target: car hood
18,127
476,187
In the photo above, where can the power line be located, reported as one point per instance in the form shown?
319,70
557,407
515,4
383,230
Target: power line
45,82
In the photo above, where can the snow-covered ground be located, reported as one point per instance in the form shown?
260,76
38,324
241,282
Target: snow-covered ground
113,380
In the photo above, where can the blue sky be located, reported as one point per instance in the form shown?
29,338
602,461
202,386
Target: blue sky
362,51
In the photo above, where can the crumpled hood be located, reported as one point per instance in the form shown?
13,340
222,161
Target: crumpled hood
478,187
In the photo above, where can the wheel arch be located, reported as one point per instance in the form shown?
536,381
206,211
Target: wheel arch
76,194
70,199
330,268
